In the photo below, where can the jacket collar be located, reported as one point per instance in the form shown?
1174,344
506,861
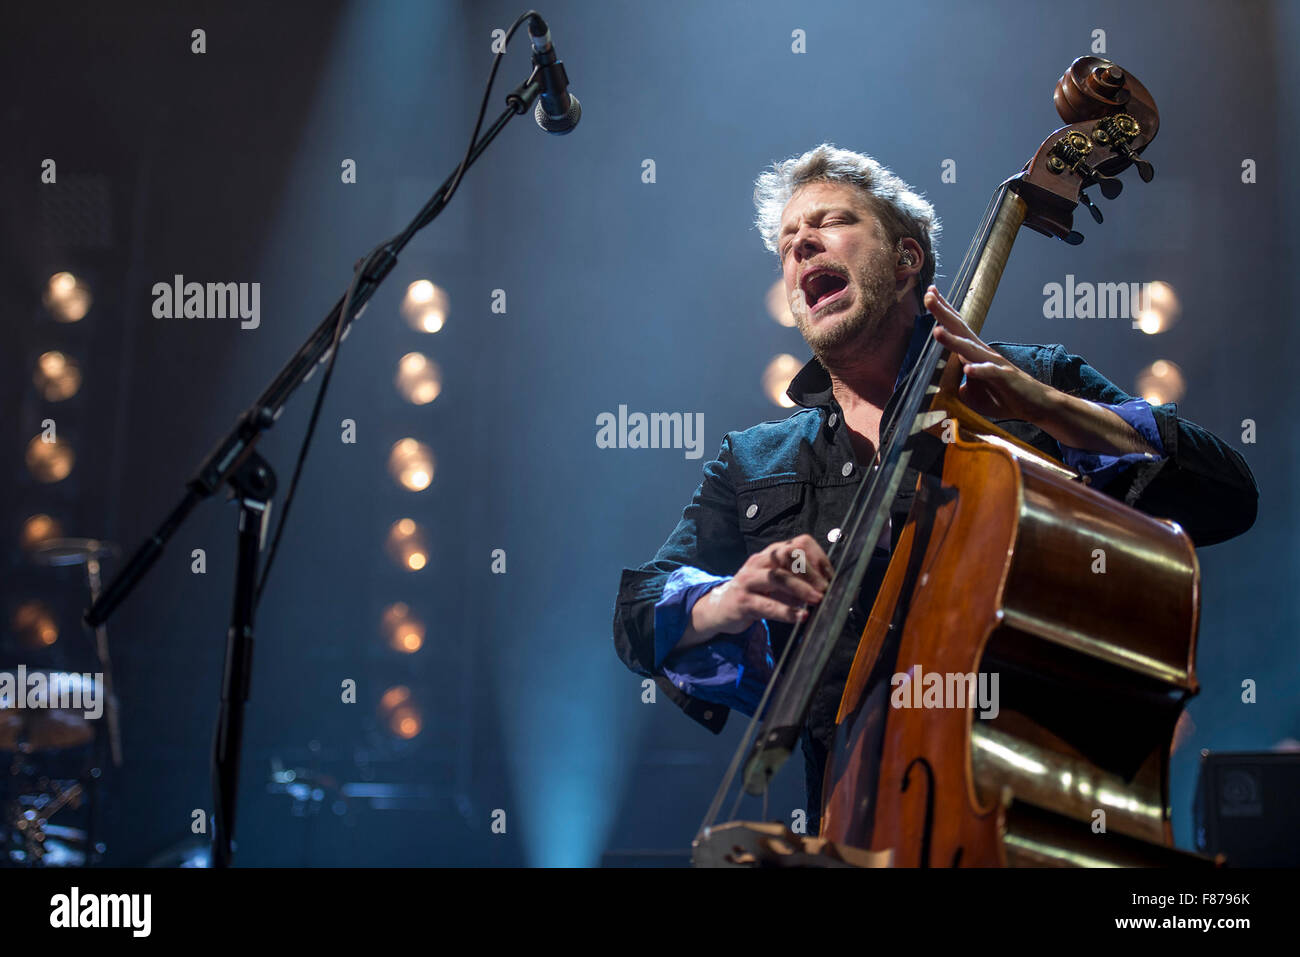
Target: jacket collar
811,388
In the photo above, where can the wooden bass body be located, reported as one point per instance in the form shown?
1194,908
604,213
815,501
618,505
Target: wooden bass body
1080,614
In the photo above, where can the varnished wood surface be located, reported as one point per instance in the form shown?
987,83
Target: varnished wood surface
999,556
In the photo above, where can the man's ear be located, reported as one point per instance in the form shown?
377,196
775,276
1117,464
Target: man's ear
910,254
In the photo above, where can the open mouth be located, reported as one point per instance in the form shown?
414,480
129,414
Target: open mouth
822,288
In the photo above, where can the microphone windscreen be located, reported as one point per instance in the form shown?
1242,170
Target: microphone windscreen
560,125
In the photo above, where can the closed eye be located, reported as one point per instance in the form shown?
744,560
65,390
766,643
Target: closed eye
833,221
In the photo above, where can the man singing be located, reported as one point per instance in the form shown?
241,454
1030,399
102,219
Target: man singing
706,617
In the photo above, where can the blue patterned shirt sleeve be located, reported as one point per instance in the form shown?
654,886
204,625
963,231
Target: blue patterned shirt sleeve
1100,469
730,670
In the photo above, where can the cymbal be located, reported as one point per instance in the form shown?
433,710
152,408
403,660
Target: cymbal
44,728
71,551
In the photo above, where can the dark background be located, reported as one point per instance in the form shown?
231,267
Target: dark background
225,166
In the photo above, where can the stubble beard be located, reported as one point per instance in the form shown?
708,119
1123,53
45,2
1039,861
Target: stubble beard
859,327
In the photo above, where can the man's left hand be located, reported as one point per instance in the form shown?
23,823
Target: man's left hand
994,387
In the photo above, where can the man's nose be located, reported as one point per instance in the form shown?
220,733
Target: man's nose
806,243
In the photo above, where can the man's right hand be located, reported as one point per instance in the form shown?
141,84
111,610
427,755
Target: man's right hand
777,583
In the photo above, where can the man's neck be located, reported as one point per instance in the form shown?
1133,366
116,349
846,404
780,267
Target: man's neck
863,373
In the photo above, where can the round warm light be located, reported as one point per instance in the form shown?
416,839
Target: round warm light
40,528
425,306
411,464
419,380
1160,382
406,546
66,297
778,306
49,461
57,377
33,623
1159,310
404,632
393,697
406,723
776,379
400,713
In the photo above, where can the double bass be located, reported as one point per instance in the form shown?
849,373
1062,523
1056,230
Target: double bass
1009,564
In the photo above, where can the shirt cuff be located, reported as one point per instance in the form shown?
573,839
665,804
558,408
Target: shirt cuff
1099,468
730,670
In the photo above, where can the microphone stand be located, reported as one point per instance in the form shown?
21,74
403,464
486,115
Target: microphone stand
235,462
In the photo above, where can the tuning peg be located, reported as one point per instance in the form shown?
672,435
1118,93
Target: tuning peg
1073,237
1110,188
1092,208
1145,169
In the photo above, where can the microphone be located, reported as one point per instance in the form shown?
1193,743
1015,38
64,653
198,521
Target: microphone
557,110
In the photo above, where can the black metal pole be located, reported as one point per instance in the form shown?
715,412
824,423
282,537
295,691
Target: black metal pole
254,485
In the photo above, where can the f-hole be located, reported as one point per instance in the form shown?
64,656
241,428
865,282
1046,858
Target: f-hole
929,803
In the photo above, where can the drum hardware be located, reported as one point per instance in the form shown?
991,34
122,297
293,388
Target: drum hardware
57,552
45,728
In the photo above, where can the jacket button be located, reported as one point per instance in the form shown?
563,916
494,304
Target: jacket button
708,716
833,535
848,467
751,511
832,420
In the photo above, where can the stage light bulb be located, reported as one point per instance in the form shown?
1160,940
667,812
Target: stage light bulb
411,463
49,461
776,379
40,528
425,306
33,623
404,632
66,297
1159,308
400,713
57,377
406,545
419,380
1160,382
778,306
